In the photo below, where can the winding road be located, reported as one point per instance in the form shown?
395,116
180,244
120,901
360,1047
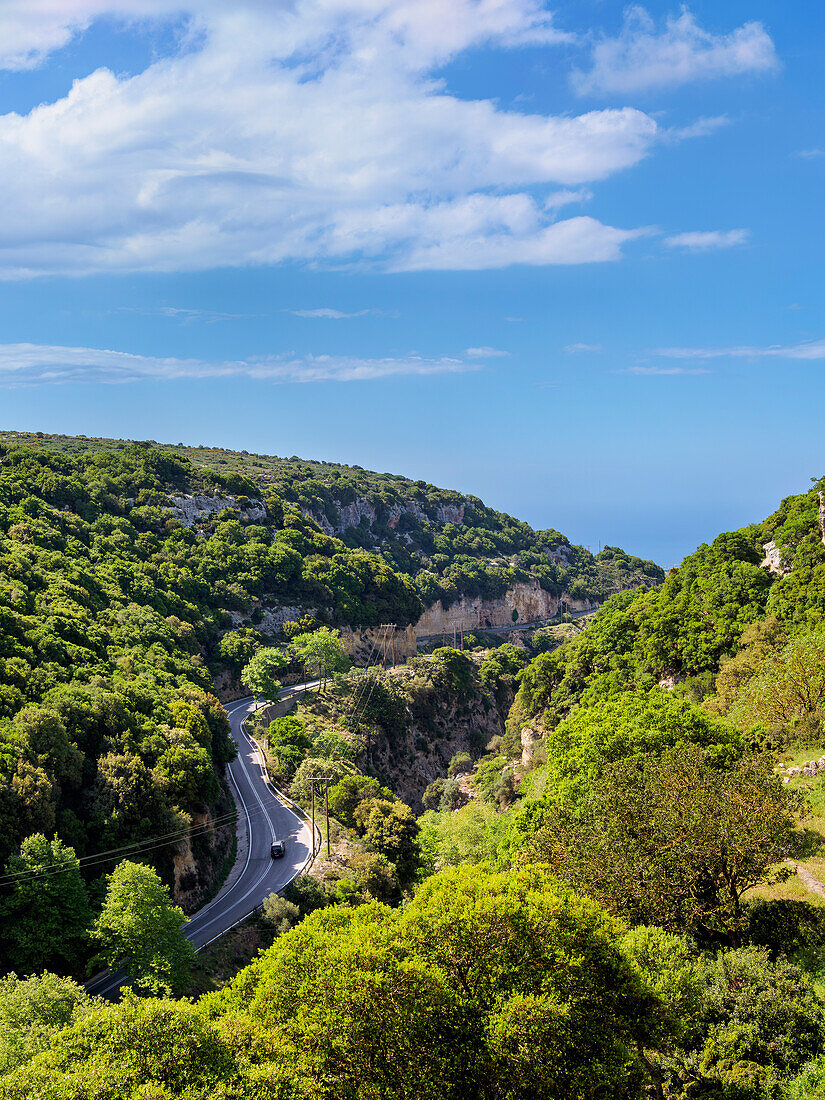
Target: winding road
263,816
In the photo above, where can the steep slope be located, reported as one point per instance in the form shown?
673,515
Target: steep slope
685,628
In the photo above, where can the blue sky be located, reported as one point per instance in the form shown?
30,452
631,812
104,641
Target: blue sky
564,257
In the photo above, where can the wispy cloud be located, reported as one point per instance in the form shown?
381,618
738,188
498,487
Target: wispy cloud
185,316
699,128
810,154
325,313
485,353
810,350
576,349
643,370
709,240
30,364
641,58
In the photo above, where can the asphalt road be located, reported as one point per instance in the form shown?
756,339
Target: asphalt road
267,817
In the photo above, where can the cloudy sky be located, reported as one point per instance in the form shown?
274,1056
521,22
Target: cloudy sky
564,257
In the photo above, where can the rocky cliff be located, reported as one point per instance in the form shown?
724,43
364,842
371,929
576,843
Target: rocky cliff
528,599
345,516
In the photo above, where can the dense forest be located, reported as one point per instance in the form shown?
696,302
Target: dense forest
448,544
593,893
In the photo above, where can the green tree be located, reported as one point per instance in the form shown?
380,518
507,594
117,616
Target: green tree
260,674
321,652
46,916
789,686
140,929
390,829
623,726
349,792
673,839
236,648
289,741
33,1010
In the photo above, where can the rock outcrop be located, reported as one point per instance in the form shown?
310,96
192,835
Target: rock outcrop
390,646
353,514
773,559
527,598
199,858
194,509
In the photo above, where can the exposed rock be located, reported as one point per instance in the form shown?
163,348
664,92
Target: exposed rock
195,878
351,515
374,644
194,509
669,682
773,559
469,613
270,620
530,737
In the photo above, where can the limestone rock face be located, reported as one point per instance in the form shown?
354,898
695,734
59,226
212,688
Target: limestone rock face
530,738
773,559
191,510
195,877
351,515
373,644
528,598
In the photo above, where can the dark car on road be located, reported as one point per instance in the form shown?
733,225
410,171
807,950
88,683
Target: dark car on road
277,849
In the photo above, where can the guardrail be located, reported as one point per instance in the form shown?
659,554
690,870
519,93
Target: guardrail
299,811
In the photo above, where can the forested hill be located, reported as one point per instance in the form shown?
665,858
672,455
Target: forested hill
123,565
447,543
746,595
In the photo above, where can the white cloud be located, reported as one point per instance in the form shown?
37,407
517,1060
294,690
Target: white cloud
29,364
327,314
810,154
486,353
707,241
665,371
312,132
640,58
699,128
812,350
576,349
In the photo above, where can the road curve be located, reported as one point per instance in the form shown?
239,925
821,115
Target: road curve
264,816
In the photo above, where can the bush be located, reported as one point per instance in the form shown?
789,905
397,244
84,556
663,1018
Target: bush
307,894
460,764
280,913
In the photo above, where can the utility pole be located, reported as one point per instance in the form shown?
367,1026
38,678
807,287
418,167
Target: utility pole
326,780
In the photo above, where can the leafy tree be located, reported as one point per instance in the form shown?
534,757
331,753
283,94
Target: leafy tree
470,835
350,792
622,726
321,652
140,929
788,686
151,1049
460,763
236,648
185,771
33,1010
260,674
374,875
673,839
280,913
390,829
289,741
46,915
